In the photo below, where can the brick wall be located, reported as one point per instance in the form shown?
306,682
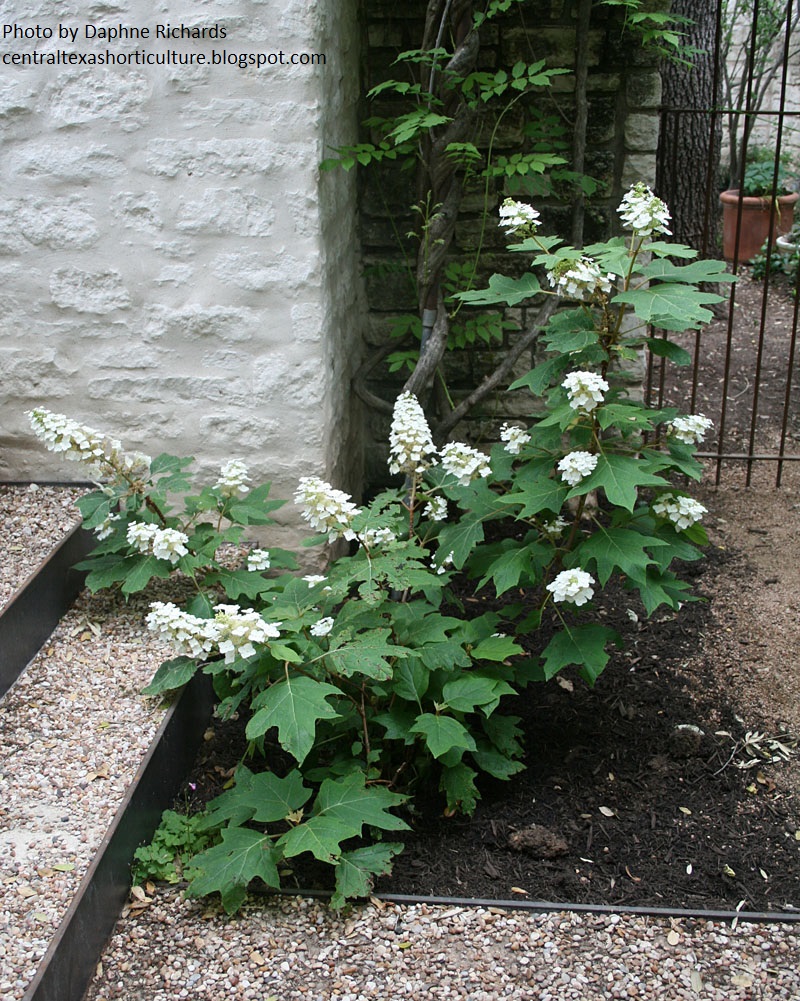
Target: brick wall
624,92
175,269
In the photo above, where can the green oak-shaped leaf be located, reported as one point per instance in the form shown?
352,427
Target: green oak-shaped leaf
355,870
263,797
442,733
353,802
583,645
171,675
293,705
411,679
620,476
365,654
618,549
669,305
497,648
469,691
510,291
229,867
458,784
322,836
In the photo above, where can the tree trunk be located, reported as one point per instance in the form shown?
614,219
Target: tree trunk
687,166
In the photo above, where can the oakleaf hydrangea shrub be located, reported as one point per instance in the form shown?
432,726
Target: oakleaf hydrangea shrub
365,676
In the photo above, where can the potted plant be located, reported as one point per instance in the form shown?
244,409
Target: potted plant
753,210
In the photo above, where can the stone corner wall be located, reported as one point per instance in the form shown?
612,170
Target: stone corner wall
175,269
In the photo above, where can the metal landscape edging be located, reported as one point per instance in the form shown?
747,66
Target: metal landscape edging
71,959
36,606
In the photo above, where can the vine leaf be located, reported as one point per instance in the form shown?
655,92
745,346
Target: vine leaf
356,869
293,705
442,734
227,868
584,645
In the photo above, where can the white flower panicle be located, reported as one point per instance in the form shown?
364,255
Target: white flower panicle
585,390
258,559
555,526
238,631
410,441
81,443
464,462
106,527
322,626
231,632
141,534
190,635
682,511
690,430
574,586
233,479
436,509
518,218
515,438
170,544
576,466
581,279
326,509
163,543
644,213
441,568
372,537
314,578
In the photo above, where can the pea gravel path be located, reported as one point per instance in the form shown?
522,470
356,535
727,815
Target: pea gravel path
34,519
299,949
73,730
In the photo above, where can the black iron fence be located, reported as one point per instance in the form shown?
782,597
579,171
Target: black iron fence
743,373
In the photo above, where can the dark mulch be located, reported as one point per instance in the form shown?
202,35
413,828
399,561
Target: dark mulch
616,806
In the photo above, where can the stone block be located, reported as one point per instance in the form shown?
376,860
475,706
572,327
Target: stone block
88,291
139,210
60,224
226,212
643,90
221,157
641,132
98,95
65,161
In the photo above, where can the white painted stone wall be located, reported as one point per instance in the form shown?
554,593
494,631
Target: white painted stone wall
173,266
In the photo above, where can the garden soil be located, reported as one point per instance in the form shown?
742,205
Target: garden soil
675,781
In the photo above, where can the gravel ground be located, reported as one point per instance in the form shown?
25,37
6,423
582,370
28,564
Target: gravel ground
298,949
34,520
73,730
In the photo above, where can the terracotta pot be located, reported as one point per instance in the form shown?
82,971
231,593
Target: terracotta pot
756,213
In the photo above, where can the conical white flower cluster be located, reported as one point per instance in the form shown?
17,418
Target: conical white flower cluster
690,430
163,543
464,462
232,632
518,218
325,508
573,586
411,445
233,479
581,279
682,511
644,213
576,466
585,389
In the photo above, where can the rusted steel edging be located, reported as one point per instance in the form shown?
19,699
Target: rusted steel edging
36,606
70,962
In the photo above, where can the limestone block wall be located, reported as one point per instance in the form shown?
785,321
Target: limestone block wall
173,266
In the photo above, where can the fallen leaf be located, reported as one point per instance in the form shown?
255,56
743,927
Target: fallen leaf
404,945
686,810
742,980
728,871
138,894
63,866
518,889
257,958
98,773
26,891
673,937
689,869
607,811
634,879
566,684
696,980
